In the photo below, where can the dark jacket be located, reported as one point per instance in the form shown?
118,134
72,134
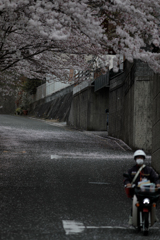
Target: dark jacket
146,172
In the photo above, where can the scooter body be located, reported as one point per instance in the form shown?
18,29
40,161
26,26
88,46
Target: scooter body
144,207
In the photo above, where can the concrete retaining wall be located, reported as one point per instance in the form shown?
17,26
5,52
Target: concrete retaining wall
156,123
88,109
131,105
121,106
143,107
55,106
116,104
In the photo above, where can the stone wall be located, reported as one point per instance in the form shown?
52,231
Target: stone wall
88,109
156,123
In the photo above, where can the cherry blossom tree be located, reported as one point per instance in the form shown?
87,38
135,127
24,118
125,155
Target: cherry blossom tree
35,34
39,37
134,30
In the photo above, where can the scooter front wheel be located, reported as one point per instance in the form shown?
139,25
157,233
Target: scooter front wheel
145,224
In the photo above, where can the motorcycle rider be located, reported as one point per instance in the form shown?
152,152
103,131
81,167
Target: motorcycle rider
146,173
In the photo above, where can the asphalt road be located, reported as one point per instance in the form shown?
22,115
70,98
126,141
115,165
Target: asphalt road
59,183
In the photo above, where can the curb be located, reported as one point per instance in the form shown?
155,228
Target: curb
119,142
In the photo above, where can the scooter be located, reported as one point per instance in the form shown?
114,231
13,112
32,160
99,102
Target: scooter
144,204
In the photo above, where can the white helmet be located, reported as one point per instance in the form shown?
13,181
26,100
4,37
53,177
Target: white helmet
139,153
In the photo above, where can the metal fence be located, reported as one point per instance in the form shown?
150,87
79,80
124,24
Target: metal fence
81,76
41,92
48,88
52,87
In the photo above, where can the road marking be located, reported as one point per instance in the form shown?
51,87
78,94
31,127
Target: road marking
107,227
99,183
89,156
74,227
55,156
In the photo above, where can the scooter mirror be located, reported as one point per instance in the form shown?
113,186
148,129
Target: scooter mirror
126,175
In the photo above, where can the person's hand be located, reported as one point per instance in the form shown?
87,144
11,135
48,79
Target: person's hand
158,185
128,185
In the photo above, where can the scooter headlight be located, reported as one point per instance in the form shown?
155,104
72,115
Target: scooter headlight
146,201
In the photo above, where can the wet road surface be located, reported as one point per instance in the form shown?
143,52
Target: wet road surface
59,183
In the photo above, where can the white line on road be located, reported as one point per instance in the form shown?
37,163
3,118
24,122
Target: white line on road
74,227
55,156
90,156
